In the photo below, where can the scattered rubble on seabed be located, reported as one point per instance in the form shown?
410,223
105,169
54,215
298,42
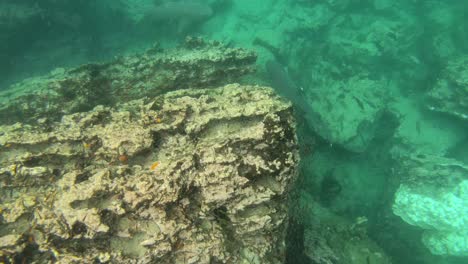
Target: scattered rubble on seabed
191,176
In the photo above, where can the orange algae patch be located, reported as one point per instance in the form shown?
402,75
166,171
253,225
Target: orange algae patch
154,165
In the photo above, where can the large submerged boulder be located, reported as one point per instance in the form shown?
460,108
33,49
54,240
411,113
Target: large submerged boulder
349,112
434,197
191,176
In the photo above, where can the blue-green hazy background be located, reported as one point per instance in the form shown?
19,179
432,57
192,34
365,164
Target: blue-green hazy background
380,88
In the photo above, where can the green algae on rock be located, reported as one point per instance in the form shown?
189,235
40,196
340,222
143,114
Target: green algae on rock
226,159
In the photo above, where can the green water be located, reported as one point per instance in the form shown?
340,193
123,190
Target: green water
381,93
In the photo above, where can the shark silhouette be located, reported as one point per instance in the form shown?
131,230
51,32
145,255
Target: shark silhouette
184,13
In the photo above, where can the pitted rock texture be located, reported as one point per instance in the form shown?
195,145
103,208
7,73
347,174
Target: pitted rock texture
196,64
191,176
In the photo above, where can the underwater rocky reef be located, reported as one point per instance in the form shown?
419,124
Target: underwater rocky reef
195,64
189,176
363,158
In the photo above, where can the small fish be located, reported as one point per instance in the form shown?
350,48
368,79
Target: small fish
370,103
360,104
418,127
154,165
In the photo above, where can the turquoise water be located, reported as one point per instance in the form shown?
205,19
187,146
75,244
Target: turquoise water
380,89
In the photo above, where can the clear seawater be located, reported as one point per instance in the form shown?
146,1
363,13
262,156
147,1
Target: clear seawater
371,64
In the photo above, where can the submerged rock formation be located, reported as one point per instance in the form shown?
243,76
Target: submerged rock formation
450,94
433,194
434,197
191,176
348,112
196,64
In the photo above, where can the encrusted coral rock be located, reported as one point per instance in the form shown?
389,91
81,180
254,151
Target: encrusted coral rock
196,64
192,176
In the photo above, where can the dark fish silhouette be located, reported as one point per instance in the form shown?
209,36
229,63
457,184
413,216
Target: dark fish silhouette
359,102
183,13
283,84
193,11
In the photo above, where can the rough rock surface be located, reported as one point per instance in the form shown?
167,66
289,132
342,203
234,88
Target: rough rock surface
434,197
332,239
348,113
450,94
191,176
196,64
